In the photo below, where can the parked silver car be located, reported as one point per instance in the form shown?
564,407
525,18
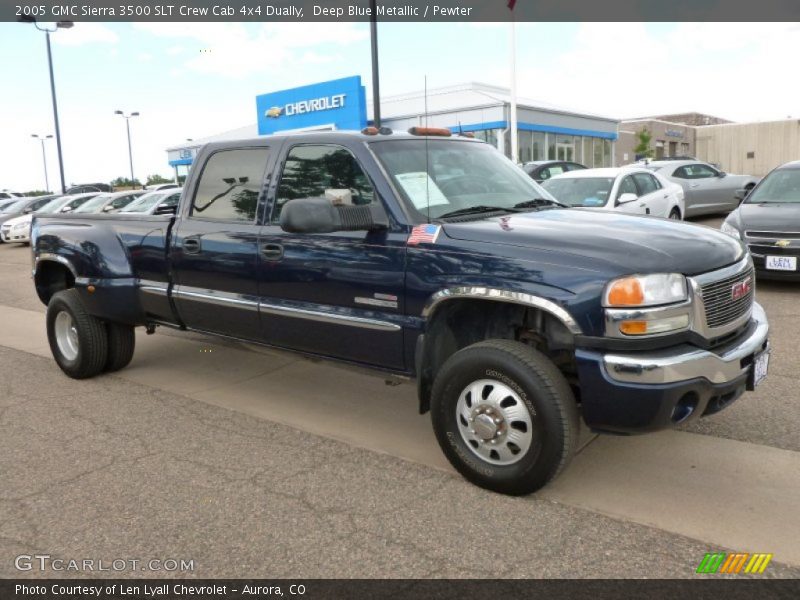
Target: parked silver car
706,189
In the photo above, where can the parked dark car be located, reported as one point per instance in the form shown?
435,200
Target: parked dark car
768,221
429,257
542,170
85,188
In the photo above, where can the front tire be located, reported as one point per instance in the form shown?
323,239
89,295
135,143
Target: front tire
504,416
675,215
77,339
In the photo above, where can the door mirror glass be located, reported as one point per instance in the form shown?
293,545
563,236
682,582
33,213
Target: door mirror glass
722,174
319,215
627,197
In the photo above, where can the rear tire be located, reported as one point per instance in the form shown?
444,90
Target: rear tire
77,339
121,345
504,416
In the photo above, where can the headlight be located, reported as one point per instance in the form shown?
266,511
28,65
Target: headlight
19,226
730,230
645,290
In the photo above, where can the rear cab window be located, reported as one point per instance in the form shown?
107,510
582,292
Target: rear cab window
230,185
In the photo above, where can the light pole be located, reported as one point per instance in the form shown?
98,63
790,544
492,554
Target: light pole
59,25
42,138
128,126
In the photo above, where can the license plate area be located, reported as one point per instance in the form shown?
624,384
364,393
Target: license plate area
758,370
781,263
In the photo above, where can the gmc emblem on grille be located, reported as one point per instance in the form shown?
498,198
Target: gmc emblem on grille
740,289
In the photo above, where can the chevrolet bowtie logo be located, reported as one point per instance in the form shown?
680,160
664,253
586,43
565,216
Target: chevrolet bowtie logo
782,243
275,112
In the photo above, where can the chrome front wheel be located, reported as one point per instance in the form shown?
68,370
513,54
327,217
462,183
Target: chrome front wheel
494,422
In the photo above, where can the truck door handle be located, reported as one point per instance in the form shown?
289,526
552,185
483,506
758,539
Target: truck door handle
272,251
191,245
694,185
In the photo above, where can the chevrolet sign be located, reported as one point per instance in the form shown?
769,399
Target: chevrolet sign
305,106
337,104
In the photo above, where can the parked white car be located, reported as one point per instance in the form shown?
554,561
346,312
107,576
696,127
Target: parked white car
155,203
18,229
626,189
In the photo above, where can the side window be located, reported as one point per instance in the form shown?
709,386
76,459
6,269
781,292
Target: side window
322,171
627,186
702,172
645,182
122,201
656,183
681,173
171,200
230,184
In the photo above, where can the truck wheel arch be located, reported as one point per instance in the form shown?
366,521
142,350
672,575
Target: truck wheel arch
53,274
458,317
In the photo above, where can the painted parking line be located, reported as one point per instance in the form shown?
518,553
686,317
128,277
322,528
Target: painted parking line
729,493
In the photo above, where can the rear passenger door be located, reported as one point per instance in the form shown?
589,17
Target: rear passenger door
337,294
214,248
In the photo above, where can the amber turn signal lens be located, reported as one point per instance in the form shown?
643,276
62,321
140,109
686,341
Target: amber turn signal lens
626,292
633,327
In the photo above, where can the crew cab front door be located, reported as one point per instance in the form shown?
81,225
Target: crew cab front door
337,294
214,249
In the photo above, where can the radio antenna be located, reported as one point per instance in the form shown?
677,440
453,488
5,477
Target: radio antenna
427,161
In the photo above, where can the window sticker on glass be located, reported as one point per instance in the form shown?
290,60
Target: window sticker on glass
421,189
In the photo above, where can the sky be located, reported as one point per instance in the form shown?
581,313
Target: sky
195,80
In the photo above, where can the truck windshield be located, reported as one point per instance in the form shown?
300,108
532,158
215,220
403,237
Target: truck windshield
580,191
782,186
451,175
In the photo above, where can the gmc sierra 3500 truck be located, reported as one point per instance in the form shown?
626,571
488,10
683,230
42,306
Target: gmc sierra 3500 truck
429,256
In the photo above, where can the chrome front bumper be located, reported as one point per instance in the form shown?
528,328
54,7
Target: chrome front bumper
686,362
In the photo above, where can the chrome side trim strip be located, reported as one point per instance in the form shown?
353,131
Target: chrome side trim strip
326,317
485,293
158,288
218,298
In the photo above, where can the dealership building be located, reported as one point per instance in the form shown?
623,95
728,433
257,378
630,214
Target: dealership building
544,131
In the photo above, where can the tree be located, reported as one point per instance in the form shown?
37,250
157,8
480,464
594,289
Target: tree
156,179
643,149
125,182
37,193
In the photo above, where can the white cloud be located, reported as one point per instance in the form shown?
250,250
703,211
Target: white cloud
175,50
86,33
733,70
234,50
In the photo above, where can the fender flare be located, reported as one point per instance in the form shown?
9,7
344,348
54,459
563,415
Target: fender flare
500,295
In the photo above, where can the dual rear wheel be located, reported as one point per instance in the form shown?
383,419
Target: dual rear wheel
83,345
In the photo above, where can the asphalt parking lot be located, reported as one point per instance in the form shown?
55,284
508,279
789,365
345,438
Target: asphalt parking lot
251,462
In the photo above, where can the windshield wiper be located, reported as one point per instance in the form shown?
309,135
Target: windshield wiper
540,202
474,210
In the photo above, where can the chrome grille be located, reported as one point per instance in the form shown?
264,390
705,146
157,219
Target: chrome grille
720,307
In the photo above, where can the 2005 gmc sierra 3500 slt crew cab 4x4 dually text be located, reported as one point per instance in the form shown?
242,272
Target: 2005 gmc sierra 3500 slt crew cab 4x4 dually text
431,256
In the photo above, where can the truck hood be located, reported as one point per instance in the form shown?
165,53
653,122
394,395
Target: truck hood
638,244
770,217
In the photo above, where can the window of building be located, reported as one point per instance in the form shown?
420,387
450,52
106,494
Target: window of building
315,171
597,153
525,146
607,152
539,139
230,184
586,156
487,135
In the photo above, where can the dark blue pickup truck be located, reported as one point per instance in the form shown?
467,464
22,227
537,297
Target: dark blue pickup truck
428,256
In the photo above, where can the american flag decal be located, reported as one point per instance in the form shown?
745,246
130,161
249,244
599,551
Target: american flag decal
423,234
